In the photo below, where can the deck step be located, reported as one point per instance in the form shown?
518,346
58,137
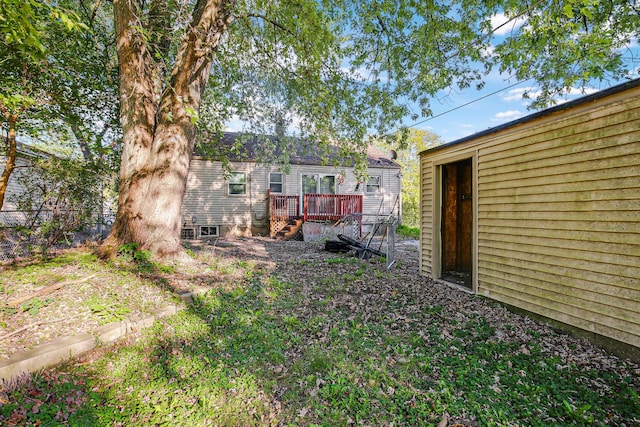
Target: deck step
291,230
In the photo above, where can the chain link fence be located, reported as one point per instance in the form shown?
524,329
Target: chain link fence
377,232
16,242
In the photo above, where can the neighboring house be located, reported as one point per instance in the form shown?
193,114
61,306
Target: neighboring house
543,214
9,215
252,198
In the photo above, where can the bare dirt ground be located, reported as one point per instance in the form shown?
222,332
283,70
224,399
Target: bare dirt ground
68,312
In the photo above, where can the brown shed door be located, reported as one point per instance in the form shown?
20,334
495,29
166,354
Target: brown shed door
457,220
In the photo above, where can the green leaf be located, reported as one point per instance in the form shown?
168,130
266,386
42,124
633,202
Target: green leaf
568,10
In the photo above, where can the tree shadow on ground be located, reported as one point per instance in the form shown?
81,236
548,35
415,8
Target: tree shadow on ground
331,340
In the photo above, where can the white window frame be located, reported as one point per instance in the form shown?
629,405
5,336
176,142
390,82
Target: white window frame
376,187
318,177
281,183
229,183
214,227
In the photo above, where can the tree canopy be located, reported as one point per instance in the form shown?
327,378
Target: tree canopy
339,71
26,56
348,69
407,151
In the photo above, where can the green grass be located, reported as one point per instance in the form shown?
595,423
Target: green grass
406,231
264,351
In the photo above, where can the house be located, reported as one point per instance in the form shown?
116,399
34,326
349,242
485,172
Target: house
543,214
9,215
251,197
39,210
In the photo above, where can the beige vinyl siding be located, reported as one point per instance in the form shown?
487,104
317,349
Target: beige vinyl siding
207,198
558,215
382,202
426,215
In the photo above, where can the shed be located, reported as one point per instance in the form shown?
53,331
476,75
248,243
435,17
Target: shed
543,214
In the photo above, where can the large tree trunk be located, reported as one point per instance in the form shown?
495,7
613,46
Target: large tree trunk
11,152
158,131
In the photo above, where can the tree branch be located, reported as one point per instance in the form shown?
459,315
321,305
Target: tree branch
267,19
190,73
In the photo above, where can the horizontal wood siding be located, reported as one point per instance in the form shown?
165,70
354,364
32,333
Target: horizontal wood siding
426,215
559,219
558,214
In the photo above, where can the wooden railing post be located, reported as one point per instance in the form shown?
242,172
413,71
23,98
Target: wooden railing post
305,207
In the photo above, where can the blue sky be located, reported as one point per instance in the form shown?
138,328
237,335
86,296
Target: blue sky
464,113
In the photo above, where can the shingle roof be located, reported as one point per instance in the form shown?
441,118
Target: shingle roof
246,147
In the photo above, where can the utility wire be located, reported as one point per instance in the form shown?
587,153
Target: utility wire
465,104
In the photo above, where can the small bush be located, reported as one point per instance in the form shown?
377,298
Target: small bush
406,231
128,249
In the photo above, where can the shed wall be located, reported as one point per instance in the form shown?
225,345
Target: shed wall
558,215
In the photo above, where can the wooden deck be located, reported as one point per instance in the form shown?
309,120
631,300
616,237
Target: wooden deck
284,208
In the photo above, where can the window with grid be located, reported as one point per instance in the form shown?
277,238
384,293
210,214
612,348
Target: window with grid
276,182
373,184
187,234
237,183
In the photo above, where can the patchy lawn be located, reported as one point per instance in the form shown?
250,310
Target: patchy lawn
287,334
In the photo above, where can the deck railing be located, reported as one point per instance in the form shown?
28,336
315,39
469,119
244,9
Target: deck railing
327,207
284,207
331,207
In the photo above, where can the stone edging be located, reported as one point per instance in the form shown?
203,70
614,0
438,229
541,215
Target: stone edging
59,349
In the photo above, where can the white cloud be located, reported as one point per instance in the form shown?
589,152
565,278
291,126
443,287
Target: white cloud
504,116
236,124
574,91
500,19
516,94
487,51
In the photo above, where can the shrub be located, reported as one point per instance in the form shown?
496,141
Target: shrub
60,197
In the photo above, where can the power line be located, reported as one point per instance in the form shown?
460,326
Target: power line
463,105
466,103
